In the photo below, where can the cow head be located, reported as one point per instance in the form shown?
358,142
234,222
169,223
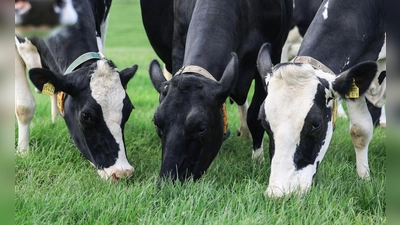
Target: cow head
297,115
41,17
96,109
189,119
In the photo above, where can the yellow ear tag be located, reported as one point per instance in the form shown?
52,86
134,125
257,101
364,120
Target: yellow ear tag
48,89
354,91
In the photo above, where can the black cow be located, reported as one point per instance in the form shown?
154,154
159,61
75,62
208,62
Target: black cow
298,112
195,39
42,17
93,99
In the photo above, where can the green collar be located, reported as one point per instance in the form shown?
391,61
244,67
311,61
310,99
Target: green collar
83,58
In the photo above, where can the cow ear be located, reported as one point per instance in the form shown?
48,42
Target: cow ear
229,77
264,64
157,76
127,74
362,74
41,76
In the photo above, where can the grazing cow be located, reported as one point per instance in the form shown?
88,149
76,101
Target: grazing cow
92,95
195,39
333,64
42,17
303,14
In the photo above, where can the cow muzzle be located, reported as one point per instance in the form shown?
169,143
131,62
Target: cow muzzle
289,182
115,173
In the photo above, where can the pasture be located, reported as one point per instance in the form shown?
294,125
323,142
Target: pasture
54,184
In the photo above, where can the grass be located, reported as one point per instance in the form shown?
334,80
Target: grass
54,184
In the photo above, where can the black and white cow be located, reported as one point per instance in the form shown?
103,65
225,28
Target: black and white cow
335,59
195,39
94,102
43,17
303,14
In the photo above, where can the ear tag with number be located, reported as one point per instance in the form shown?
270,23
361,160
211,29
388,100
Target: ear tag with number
354,91
48,89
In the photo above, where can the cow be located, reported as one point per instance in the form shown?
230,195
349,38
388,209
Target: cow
211,47
43,17
91,90
336,61
303,14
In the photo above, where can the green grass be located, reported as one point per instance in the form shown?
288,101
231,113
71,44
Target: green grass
54,184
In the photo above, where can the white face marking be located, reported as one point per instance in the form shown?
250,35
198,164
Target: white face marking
325,13
108,92
291,93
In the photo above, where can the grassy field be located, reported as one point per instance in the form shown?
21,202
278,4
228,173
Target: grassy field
54,184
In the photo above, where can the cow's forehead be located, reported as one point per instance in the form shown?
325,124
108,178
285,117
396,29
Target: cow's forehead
191,89
107,90
105,83
291,93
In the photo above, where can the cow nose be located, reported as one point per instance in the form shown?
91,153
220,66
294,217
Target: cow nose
120,174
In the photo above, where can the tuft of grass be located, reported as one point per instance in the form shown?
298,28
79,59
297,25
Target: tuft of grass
54,184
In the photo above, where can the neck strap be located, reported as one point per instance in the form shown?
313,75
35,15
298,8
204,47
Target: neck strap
83,58
195,69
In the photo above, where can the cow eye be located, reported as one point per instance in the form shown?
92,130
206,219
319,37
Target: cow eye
202,129
86,117
315,126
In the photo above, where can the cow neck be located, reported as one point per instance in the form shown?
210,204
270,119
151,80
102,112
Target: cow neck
205,73
76,63
318,65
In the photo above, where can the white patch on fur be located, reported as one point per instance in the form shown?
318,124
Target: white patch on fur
258,154
345,64
108,92
69,16
101,38
382,118
325,13
291,95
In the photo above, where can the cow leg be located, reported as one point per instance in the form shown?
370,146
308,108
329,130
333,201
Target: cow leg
340,111
243,131
361,130
382,118
256,129
24,104
30,56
